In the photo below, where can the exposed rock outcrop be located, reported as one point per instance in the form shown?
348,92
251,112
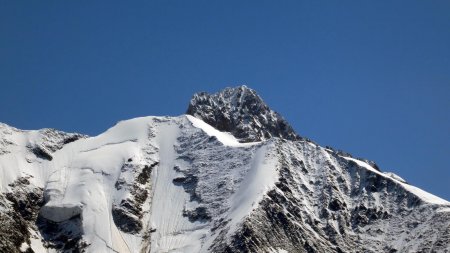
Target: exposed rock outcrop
241,112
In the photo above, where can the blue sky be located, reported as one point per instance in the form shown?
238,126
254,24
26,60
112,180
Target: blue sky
369,77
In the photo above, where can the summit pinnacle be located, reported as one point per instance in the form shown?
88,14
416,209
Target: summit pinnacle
241,112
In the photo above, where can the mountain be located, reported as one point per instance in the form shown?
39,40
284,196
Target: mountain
229,176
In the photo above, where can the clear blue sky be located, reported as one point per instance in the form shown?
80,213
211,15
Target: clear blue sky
369,77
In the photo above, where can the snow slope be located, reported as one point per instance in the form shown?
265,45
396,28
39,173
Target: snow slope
80,180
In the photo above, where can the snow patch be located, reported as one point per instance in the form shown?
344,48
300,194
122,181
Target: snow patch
226,139
261,177
24,247
395,176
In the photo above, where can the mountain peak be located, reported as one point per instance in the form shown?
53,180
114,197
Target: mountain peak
242,112
177,184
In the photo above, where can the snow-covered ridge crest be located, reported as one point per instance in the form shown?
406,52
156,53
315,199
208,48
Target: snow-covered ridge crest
427,197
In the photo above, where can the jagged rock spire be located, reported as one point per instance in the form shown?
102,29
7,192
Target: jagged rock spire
241,112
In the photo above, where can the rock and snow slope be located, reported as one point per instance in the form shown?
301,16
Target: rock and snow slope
179,184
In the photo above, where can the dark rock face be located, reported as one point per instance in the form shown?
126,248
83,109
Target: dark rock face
65,236
23,204
41,153
127,217
241,112
198,214
128,213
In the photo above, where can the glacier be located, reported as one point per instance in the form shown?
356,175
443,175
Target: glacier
231,175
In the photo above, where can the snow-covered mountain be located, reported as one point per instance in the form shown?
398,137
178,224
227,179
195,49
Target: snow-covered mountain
229,176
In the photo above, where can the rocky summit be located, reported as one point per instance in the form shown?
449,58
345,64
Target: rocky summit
229,176
241,112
